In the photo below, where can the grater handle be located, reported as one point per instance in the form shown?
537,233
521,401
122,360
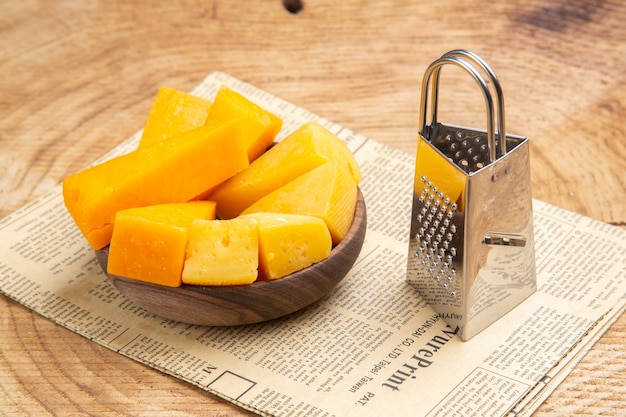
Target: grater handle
499,96
455,57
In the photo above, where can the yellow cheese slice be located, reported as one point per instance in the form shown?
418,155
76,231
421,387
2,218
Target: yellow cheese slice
289,243
328,192
172,171
222,252
259,126
149,243
306,148
173,112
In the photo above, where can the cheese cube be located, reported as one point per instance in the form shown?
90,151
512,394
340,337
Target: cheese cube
222,252
328,192
149,243
289,243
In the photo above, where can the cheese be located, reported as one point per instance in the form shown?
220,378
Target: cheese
306,148
172,171
259,126
149,243
328,192
289,243
222,252
173,112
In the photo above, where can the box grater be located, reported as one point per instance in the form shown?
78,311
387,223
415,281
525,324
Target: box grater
471,248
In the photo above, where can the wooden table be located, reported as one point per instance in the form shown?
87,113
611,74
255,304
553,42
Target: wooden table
77,78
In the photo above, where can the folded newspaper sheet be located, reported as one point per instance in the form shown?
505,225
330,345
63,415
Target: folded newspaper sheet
372,346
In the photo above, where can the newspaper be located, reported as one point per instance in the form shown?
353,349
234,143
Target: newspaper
372,346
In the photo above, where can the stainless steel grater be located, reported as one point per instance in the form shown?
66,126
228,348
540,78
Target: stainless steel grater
471,248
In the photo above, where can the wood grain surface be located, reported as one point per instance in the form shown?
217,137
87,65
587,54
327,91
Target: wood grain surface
77,78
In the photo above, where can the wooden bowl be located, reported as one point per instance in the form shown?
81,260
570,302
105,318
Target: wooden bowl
246,304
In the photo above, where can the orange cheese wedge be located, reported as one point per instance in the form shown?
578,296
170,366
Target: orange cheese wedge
306,148
289,243
328,192
222,252
149,243
259,126
172,171
173,112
